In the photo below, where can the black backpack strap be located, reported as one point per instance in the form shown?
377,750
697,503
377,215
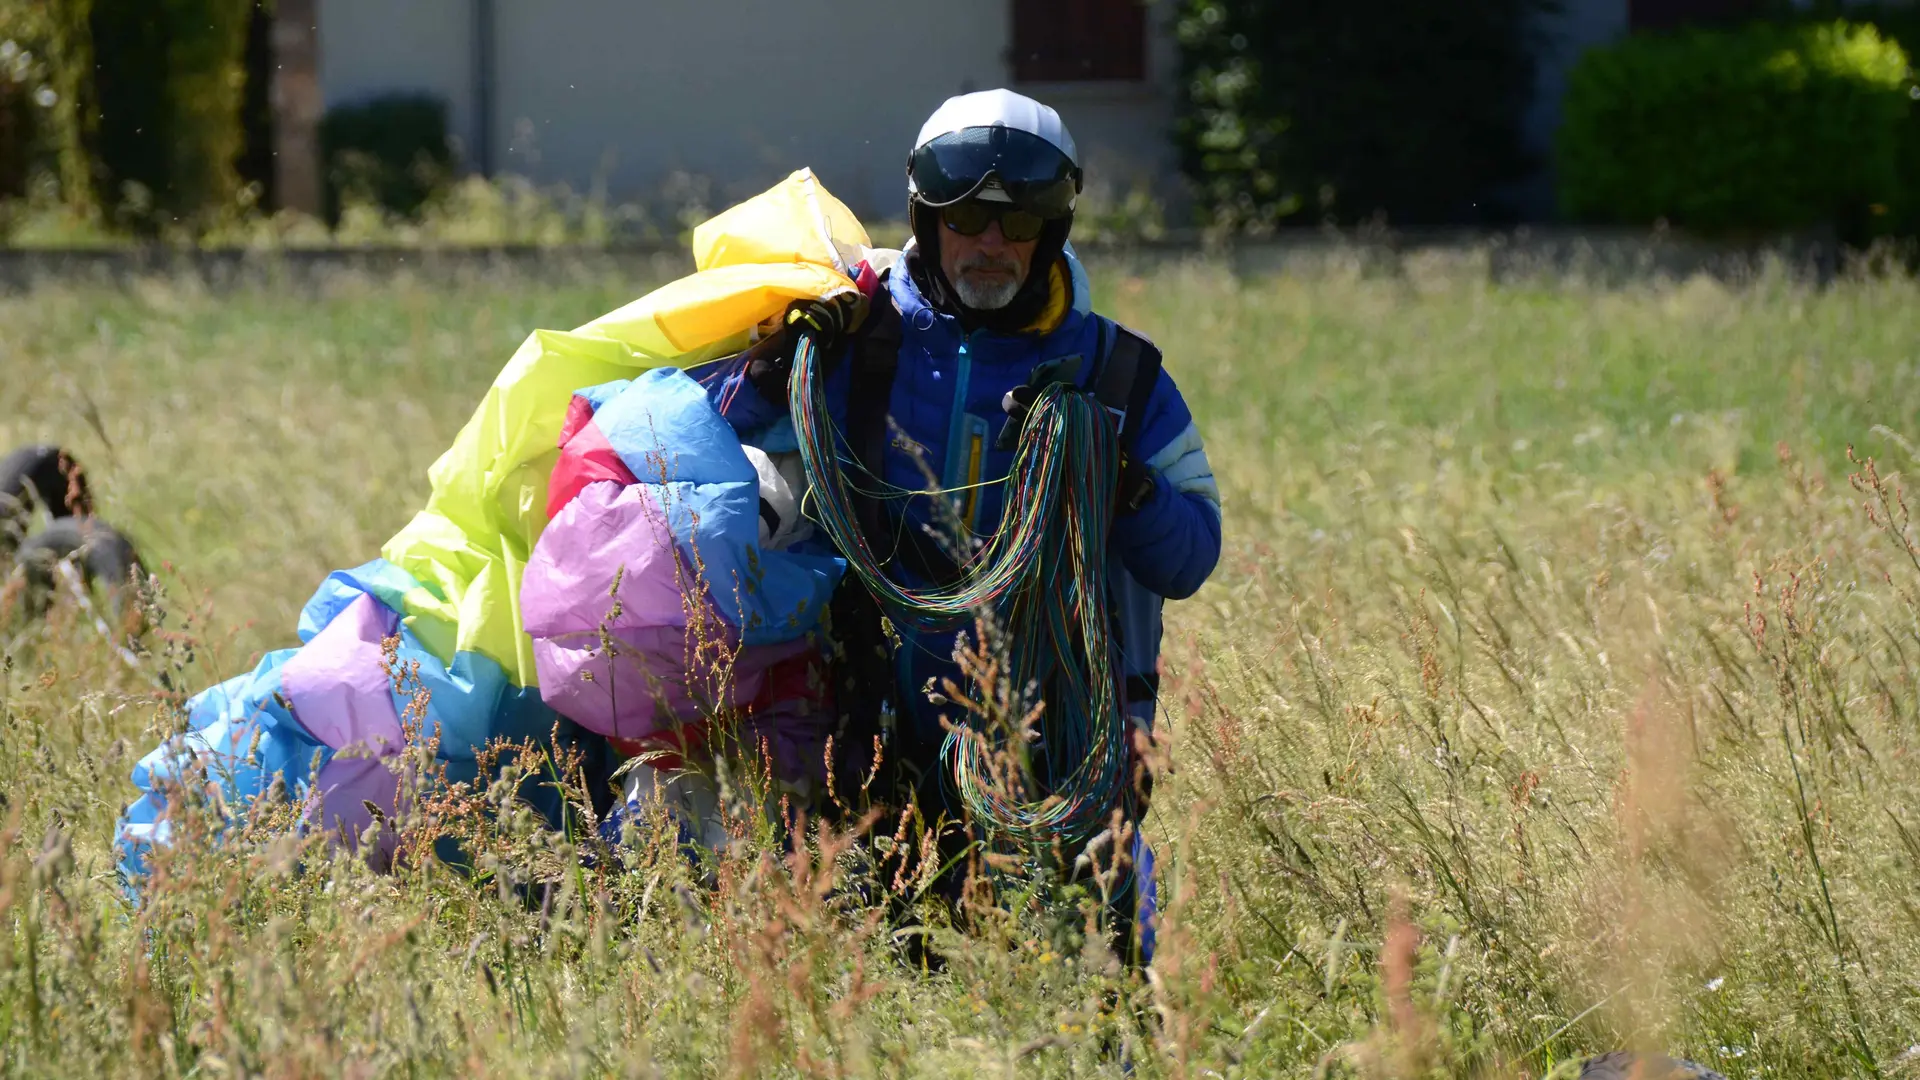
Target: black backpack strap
1127,367
862,664
1124,377
875,355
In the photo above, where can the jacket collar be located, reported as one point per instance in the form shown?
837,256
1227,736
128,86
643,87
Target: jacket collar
1065,313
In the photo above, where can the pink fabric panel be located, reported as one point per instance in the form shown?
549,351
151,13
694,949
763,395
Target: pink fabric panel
338,689
564,600
585,458
579,414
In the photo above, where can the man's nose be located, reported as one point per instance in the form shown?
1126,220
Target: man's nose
993,239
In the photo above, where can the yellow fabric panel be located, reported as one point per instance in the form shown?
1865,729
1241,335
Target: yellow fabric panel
470,544
798,221
677,319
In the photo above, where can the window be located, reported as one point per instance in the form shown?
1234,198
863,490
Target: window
1663,14
1079,40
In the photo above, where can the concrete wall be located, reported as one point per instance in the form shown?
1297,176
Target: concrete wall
738,92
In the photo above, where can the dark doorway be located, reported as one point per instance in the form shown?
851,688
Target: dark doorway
1079,40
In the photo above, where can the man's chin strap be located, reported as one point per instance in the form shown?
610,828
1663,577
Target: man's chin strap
1021,312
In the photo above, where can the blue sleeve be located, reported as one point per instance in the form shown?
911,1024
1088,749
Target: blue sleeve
1171,544
734,397
741,403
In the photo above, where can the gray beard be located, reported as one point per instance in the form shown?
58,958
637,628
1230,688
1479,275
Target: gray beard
986,298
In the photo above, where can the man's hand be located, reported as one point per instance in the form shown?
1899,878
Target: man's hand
1016,403
770,361
827,320
1134,485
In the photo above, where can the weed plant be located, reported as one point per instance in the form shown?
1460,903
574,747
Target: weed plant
1556,693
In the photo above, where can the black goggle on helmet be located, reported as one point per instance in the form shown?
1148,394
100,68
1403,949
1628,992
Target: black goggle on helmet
994,164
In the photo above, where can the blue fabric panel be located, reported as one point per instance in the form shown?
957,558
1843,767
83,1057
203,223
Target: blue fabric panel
770,596
664,429
597,396
473,701
386,582
245,737
776,438
1146,891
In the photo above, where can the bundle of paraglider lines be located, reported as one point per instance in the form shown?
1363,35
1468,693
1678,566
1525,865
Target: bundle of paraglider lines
1042,579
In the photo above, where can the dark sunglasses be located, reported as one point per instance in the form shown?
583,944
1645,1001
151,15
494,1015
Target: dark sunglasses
972,217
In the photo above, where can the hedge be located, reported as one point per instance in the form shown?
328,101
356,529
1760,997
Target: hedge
1763,127
392,151
1901,23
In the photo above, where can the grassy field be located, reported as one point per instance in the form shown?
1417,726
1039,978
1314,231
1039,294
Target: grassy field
1556,693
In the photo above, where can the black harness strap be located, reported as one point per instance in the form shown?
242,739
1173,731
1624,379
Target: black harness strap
1129,367
862,660
1126,376
1143,687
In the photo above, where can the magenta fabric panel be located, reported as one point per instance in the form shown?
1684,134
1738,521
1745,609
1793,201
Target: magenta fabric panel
794,735
345,786
339,691
606,529
642,688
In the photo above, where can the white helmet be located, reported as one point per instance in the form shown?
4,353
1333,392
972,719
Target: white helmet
996,146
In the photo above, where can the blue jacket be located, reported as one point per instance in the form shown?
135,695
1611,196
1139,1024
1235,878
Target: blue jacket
946,398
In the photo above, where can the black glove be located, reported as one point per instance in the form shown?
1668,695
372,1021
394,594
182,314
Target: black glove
1135,486
770,360
828,320
1016,404
770,366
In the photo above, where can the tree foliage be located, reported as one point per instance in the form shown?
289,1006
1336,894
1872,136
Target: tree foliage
1319,108
170,81
46,59
392,152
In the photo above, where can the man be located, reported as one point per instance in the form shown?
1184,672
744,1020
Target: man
985,303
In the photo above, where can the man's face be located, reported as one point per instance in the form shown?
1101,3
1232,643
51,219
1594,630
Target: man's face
987,270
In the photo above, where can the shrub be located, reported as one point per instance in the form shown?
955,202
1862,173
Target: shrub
1901,23
169,82
391,151
1405,107
1763,127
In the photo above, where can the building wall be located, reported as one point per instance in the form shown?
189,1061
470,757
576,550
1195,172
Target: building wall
735,93
371,47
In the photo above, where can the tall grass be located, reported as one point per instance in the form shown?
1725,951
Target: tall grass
1556,693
